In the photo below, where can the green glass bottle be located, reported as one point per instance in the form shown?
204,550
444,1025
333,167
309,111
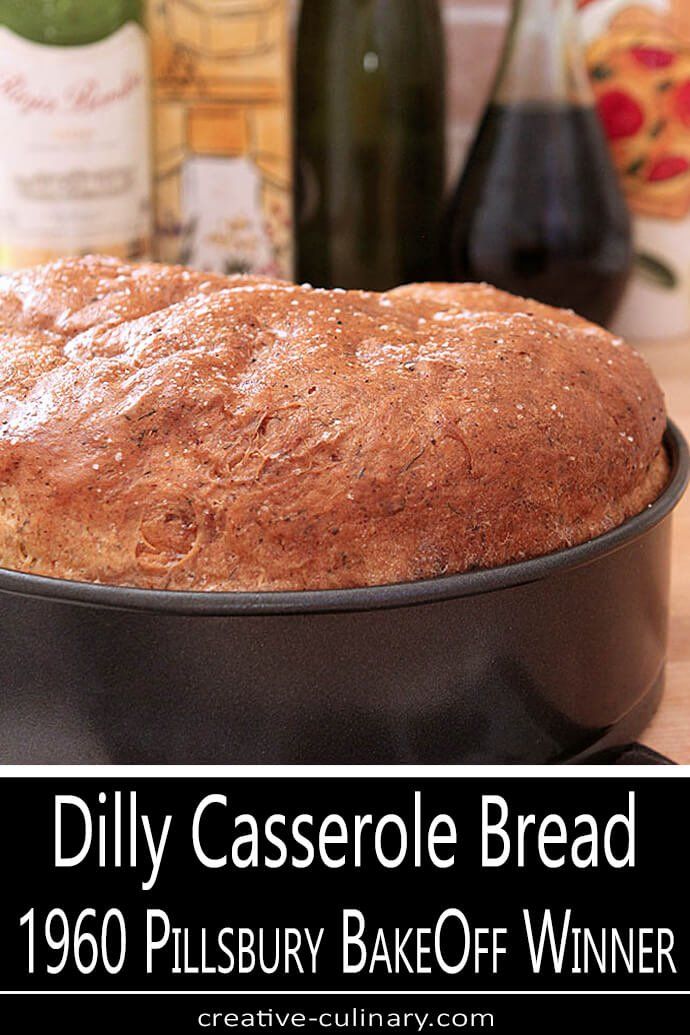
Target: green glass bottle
369,142
75,103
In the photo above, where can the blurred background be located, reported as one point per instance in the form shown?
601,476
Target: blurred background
474,32
541,145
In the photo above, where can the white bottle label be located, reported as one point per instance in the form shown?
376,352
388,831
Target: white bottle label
75,162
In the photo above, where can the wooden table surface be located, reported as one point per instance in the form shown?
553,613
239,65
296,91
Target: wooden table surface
670,729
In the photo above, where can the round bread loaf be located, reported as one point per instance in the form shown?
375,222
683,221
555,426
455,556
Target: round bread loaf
174,429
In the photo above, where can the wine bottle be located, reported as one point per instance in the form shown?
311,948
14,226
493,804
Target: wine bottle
369,142
75,170
538,209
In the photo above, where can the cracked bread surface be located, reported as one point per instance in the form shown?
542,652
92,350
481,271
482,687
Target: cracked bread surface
172,429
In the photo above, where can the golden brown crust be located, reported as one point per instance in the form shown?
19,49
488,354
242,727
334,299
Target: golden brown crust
166,428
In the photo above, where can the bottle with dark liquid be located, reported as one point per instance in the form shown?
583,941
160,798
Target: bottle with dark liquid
538,210
369,142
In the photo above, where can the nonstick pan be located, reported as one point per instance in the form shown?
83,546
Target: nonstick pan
546,660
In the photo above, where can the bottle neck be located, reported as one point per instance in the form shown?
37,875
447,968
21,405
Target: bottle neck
542,60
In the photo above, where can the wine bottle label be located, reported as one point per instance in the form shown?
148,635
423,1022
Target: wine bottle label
75,171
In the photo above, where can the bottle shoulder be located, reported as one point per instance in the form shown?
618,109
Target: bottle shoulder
73,23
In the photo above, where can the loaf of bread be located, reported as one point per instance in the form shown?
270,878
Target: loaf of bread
173,429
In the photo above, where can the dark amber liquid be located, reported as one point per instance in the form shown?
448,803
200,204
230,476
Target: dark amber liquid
539,211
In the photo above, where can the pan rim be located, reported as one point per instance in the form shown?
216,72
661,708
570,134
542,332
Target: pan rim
364,598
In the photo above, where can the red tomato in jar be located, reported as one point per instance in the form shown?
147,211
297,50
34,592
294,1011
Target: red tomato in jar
620,114
666,167
653,57
681,102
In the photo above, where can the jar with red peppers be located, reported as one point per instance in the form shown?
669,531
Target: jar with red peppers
638,57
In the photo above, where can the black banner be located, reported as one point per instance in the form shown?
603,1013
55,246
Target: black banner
328,1014
357,884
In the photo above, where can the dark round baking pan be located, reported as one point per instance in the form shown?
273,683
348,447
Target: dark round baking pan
546,660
